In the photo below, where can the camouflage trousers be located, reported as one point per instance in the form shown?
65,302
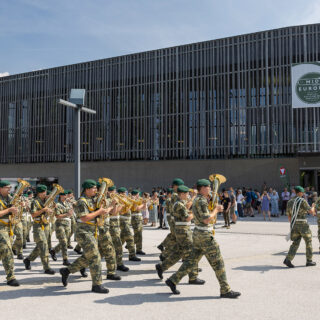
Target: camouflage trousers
25,228
49,236
73,229
300,230
90,256
6,255
107,250
126,236
116,240
182,249
63,230
204,244
18,243
41,249
136,222
318,215
170,241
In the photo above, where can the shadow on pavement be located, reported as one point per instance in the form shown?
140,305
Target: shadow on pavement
132,284
262,268
137,299
38,292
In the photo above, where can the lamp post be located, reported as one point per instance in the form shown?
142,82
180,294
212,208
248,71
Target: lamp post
76,101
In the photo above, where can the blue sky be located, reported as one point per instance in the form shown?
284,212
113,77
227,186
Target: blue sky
39,34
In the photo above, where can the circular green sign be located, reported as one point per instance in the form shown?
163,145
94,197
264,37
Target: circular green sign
308,88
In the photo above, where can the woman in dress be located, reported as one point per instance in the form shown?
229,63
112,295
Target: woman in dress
145,212
153,209
274,204
265,203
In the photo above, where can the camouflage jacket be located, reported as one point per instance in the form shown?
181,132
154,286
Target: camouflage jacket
303,211
5,202
200,210
173,200
62,208
36,205
180,211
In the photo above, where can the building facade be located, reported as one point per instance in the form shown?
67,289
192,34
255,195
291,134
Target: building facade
217,104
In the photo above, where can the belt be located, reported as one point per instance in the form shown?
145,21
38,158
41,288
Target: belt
107,220
301,220
66,219
114,218
88,222
208,228
136,214
124,218
4,220
183,223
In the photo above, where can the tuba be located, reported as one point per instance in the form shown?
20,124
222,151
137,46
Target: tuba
101,201
17,202
46,218
217,180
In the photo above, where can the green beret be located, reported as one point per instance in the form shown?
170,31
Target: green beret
98,185
112,188
298,189
88,184
25,195
183,189
122,190
134,192
177,182
203,183
29,192
62,194
4,183
41,188
169,190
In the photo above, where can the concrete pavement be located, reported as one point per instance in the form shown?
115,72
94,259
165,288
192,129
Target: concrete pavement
253,251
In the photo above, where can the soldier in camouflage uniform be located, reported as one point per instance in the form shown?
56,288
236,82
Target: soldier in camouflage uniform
6,255
86,236
183,234
70,202
204,244
136,221
126,235
26,217
172,242
29,217
40,231
317,208
115,234
297,210
170,238
63,215
18,231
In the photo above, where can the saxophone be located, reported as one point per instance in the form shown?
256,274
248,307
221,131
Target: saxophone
101,201
16,202
47,217
217,180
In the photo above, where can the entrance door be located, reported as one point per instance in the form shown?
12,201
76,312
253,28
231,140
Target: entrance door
310,178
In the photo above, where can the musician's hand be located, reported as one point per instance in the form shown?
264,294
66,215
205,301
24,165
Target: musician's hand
102,211
114,203
47,210
70,213
219,208
14,210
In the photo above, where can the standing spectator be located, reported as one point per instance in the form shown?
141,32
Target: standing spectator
308,195
248,206
274,199
285,197
265,203
314,195
233,207
226,202
258,201
153,210
161,209
145,212
240,200
293,193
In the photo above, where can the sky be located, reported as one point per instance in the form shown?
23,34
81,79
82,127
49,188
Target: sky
40,34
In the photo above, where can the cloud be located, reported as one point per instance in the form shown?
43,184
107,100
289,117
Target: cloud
4,74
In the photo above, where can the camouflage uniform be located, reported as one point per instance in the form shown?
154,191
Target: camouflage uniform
204,244
318,216
183,247
63,229
73,222
18,243
126,234
86,236
300,230
106,247
40,235
25,221
136,222
172,241
116,240
6,255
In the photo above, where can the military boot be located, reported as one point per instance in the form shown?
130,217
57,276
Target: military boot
27,264
160,247
172,286
66,262
123,268
65,275
13,283
113,277
288,263
134,258
310,264
141,253
53,255
49,271
20,256
99,289
159,271
83,273
231,295
197,281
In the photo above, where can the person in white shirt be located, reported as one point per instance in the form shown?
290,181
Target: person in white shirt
285,197
240,200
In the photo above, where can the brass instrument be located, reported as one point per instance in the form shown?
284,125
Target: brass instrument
102,199
15,218
217,180
49,203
